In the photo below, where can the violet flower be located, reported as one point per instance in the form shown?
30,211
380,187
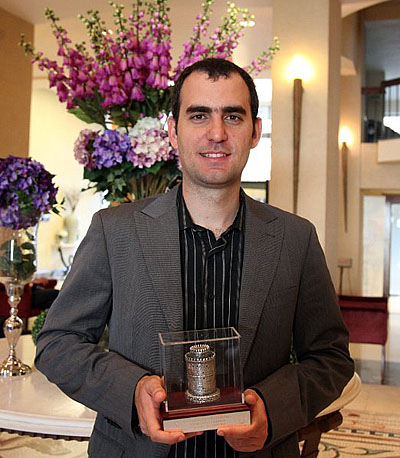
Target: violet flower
26,192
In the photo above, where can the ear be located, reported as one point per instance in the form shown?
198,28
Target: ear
173,138
257,133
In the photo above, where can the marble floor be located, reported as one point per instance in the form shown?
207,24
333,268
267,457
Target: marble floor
381,399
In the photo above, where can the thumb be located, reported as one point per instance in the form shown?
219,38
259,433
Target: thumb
250,397
160,395
156,391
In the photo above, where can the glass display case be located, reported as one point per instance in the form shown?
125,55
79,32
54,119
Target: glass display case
203,380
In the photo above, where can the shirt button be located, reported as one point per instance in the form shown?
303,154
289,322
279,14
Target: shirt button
211,296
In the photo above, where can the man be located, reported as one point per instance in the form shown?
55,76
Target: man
204,255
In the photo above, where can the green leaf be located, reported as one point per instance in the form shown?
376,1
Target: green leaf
38,324
155,168
81,115
120,184
17,254
92,109
30,235
4,264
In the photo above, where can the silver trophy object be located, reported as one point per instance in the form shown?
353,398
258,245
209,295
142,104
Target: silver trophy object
200,371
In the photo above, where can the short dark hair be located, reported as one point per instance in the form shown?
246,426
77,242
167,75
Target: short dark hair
214,68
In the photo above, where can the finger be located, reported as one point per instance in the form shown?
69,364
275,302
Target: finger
167,437
189,435
155,389
250,397
230,431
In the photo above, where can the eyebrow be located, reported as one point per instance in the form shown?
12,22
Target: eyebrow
204,109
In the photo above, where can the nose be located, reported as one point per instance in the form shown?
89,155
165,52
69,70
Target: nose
217,130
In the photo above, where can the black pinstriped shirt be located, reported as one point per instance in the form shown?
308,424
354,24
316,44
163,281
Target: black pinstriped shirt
211,277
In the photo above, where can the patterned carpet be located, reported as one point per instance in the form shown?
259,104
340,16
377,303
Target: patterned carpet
363,434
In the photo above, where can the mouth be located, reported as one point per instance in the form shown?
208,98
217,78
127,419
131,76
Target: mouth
214,155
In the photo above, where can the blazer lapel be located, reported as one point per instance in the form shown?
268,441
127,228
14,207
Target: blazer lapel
158,230
262,246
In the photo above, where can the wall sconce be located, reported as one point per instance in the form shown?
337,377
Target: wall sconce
298,70
345,139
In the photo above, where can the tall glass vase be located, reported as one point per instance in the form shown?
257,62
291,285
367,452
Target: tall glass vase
17,268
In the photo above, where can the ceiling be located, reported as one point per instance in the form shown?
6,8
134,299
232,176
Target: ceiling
32,10
382,50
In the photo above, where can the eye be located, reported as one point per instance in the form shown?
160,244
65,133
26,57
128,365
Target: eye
233,118
198,117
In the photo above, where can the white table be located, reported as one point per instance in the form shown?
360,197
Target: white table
34,406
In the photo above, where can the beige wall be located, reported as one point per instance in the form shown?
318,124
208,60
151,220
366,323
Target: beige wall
15,86
53,133
332,167
310,28
349,242
376,176
389,150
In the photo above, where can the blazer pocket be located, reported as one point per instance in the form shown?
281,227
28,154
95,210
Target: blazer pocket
101,446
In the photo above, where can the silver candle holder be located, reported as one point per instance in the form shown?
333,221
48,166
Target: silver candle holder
200,374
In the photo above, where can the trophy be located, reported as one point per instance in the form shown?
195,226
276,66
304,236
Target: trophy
200,369
203,380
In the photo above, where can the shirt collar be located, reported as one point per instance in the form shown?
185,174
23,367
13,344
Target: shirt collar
186,222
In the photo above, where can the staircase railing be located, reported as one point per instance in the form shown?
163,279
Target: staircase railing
381,111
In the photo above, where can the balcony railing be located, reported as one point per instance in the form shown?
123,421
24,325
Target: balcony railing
381,111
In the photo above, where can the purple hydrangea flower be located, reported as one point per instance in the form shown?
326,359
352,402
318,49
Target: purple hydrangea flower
110,148
26,192
83,147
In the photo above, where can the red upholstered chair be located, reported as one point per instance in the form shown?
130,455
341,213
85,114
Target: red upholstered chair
367,321
25,309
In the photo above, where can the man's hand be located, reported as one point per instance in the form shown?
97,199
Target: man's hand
248,438
149,394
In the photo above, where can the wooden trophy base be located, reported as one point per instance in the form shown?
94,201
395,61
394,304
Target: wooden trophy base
190,417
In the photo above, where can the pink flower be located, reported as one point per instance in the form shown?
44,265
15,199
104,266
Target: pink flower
151,79
123,65
137,94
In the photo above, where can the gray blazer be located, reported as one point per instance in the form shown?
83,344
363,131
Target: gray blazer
127,274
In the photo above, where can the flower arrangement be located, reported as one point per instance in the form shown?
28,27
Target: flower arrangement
26,192
125,78
120,163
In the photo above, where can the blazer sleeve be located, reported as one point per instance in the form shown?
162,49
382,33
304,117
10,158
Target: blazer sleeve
295,393
67,350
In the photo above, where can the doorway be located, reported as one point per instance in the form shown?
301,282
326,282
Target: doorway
381,245
392,258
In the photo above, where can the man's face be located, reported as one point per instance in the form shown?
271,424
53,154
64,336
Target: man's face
215,130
